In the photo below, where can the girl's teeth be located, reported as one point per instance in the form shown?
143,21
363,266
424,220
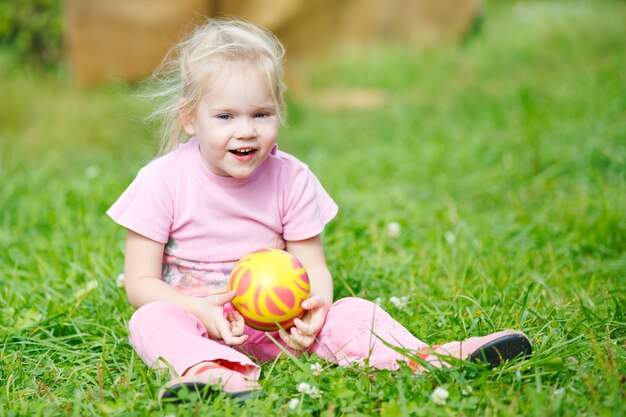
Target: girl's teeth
242,151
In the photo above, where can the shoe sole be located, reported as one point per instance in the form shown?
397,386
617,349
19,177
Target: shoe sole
171,394
502,349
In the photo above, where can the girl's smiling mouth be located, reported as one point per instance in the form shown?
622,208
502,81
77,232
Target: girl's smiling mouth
243,154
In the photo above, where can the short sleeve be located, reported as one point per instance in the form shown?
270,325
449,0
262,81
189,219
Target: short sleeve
307,206
146,206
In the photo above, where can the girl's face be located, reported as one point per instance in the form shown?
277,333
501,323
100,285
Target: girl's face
235,121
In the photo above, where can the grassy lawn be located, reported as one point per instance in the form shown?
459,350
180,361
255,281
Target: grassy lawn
503,162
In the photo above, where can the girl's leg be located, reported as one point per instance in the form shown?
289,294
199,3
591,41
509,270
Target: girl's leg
354,331
162,330
346,337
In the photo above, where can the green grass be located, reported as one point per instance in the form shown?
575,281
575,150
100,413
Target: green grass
503,161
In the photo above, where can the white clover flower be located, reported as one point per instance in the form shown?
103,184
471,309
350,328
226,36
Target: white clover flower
467,390
450,238
304,388
393,230
92,172
120,280
439,395
315,392
399,302
293,403
378,300
316,369
559,391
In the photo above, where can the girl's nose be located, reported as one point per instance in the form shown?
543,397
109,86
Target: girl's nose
246,129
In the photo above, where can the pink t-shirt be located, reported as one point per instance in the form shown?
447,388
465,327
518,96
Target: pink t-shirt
202,217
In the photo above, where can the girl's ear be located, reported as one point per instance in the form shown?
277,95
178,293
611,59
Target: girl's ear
186,117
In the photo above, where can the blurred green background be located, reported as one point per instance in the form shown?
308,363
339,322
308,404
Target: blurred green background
32,31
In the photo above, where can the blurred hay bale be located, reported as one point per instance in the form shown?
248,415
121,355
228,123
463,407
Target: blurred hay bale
310,27
313,29
126,39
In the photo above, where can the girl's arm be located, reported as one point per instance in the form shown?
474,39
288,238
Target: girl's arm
142,280
310,253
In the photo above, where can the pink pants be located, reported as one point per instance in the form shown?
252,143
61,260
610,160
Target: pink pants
352,333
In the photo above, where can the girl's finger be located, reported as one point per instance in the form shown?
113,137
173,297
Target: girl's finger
304,327
232,340
303,341
236,328
237,315
223,326
234,317
223,298
295,340
313,302
312,326
236,340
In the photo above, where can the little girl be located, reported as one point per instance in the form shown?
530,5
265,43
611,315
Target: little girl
227,191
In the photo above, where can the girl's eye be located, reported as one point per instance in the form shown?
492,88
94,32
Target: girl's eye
262,115
224,116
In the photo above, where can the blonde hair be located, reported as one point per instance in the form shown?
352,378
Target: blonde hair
182,78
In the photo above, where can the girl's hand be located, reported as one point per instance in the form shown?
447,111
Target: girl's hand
229,328
302,335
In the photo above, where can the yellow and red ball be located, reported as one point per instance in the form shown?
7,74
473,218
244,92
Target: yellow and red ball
271,285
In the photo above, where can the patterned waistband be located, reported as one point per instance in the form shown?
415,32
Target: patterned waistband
198,279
